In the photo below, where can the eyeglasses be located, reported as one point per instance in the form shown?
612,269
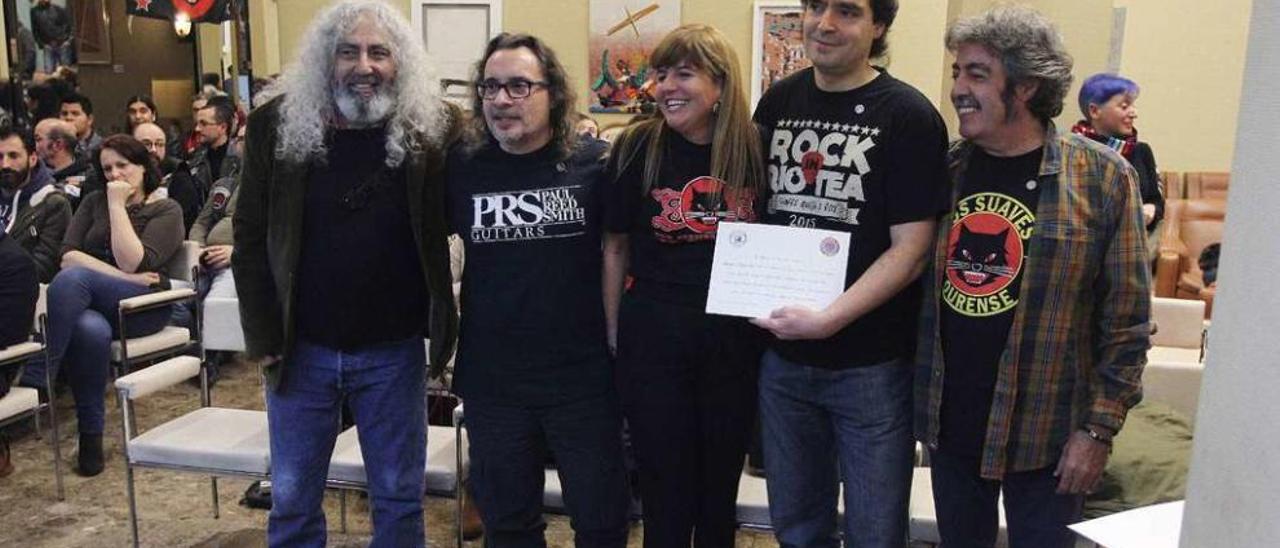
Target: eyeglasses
147,143
518,88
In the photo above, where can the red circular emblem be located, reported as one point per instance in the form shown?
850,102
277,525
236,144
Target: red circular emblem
984,253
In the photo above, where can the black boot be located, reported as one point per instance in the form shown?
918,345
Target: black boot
90,455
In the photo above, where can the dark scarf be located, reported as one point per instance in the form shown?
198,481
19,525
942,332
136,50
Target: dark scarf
1124,146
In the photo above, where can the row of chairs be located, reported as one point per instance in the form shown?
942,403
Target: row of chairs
22,402
1195,185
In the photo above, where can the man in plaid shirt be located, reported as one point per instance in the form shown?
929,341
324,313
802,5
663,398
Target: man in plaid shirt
1034,328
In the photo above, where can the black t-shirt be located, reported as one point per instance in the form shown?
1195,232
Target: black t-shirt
672,226
858,161
986,251
532,316
360,279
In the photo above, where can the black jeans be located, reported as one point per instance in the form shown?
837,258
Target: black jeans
509,443
1037,516
688,385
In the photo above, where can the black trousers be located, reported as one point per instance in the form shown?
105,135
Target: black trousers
509,444
966,503
688,387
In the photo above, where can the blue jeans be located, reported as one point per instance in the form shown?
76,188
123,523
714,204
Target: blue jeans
83,320
509,443
384,386
822,428
55,56
966,502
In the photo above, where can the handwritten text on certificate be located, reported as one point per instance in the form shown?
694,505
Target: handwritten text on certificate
760,268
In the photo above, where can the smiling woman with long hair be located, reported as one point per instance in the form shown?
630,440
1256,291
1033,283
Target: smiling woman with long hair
687,379
117,242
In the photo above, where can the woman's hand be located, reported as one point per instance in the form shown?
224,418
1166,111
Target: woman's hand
145,279
118,192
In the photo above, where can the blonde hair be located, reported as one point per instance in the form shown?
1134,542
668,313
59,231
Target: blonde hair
736,156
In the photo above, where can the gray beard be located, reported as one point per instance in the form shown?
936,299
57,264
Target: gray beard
360,112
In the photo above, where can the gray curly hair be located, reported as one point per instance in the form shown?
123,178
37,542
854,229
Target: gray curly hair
308,106
1030,49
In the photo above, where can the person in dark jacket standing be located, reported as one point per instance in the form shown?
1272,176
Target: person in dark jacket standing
32,210
341,263
52,25
1107,102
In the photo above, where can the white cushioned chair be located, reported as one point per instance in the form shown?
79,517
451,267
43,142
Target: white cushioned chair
126,351
210,440
22,402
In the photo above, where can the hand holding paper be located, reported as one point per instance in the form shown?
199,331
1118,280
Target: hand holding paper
784,276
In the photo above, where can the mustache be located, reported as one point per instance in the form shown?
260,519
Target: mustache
966,101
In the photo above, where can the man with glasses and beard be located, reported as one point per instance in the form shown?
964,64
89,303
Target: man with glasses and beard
32,210
342,265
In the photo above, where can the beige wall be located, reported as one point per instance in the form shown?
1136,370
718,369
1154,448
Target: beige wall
4,52
1190,121
1188,57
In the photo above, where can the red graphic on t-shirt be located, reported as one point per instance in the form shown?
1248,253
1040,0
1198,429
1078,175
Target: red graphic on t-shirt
984,254
810,165
699,207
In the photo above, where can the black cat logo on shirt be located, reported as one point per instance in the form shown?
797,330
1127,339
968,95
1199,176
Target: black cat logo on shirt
816,168
985,254
528,215
693,212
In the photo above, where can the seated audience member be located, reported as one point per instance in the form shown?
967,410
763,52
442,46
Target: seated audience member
18,293
191,141
215,158
141,109
56,144
586,126
115,248
1107,102
212,230
32,210
77,110
176,174
43,102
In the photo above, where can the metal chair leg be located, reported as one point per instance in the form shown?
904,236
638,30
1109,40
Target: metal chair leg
342,506
54,439
213,489
457,479
133,503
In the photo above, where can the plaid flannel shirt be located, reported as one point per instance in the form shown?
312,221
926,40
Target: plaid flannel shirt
1080,332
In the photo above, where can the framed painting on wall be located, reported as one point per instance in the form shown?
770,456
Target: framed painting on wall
622,34
92,31
777,48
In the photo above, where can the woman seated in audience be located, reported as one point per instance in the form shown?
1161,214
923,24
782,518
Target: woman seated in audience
1107,100
116,245
687,378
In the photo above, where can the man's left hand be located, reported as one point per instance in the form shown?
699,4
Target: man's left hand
217,256
798,323
1080,468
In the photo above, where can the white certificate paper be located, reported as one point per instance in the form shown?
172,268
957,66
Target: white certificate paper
759,268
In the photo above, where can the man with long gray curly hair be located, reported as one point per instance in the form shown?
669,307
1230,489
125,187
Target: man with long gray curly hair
342,264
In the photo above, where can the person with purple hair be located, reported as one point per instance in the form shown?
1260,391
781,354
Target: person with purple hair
1107,102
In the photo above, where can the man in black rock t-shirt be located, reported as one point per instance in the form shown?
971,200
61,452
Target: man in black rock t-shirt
533,367
851,149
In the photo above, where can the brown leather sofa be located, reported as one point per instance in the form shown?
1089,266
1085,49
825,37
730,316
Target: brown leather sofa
1189,226
1207,185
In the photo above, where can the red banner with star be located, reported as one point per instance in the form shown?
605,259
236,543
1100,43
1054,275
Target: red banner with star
198,11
